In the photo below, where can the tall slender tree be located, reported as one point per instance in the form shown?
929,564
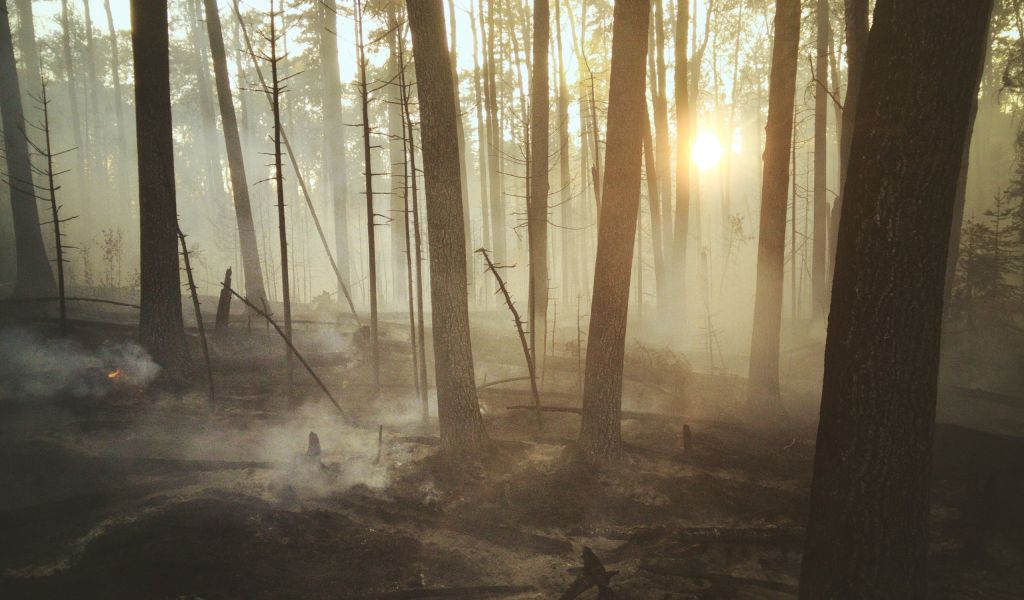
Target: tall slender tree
819,281
34,277
115,74
29,49
462,427
600,434
537,198
254,289
867,535
161,330
681,228
763,378
396,153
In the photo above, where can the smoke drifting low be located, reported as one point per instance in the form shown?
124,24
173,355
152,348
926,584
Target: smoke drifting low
34,366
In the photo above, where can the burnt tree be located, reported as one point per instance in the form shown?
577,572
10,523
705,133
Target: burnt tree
600,433
867,535
461,424
537,198
161,330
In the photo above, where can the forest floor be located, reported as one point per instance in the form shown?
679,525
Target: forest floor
157,493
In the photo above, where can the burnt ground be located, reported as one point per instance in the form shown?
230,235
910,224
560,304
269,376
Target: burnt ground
156,493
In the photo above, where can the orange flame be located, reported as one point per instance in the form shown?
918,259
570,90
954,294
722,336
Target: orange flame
113,375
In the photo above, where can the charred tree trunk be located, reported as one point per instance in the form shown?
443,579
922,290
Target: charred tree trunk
396,156
462,427
763,379
600,433
496,136
663,155
564,168
819,280
161,330
71,80
364,96
867,535
537,208
654,202
236,162
482,133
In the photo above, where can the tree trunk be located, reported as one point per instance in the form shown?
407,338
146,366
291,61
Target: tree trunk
207,137
600,434
31,71
482,130
661,130
537,208
461,424
819,281
396,157
160,325
867,535
494,153
115,72
682,216
335,166
463,179
69,73
34,277
236,163
763,380
564,168
855,13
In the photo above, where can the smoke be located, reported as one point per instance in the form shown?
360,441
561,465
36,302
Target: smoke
34,366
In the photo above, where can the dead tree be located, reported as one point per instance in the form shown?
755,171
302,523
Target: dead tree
763,379
295,165
600,433
274,91
520,330
413,182
236,163
867,532
223,320
48,194
364,98
292,349
199,314
408,163
461,424
161,330
34,277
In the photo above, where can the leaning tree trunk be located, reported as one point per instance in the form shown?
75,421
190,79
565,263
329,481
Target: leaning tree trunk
867,535
160,325
537,208
763,380
236,164
34,277
462,426
600,433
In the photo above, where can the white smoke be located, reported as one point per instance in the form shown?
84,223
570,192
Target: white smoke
32,365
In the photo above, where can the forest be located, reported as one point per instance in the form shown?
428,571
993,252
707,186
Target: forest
524,299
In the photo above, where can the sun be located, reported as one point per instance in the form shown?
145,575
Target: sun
707,151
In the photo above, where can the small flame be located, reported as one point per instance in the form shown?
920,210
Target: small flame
113,375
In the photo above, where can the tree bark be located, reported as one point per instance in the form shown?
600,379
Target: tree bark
537,208
33,279
160,324
867,535
600,433
236,163
463,168
396,156
564,168
763,379
461,424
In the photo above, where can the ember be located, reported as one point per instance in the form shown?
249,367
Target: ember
114,374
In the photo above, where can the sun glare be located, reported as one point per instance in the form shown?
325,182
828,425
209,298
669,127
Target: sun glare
707,151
